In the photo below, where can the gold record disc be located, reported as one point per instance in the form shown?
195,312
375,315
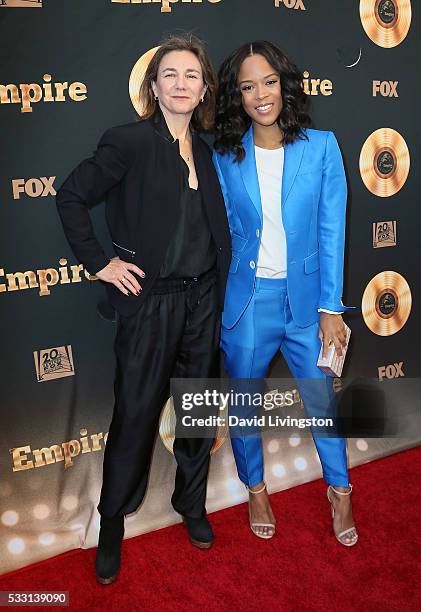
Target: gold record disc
384,162
386,303
386,22
136,78
167,427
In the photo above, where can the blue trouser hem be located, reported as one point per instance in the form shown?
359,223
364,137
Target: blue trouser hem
251,483
336,481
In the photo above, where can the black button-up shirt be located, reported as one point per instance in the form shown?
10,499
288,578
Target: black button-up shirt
192,251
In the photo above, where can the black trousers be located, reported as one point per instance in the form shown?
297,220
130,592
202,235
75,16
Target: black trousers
175,333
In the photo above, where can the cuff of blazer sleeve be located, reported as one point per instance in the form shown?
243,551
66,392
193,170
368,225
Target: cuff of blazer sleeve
97,263
330,311
334,307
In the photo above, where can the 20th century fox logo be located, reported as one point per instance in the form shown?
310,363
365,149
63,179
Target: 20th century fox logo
384,234
55,362
166,4
21,3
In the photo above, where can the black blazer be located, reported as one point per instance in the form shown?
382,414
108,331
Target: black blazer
137,171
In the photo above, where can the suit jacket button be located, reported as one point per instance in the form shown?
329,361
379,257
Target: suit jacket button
252,265
257,232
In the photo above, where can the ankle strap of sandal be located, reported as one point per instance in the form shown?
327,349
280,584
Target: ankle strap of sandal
342,492
256,492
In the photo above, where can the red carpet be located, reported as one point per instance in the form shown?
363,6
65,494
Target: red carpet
301,568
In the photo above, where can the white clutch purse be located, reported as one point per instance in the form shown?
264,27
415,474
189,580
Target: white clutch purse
333,364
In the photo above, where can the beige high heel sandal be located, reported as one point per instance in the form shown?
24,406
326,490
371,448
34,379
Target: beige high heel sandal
354,536
254,525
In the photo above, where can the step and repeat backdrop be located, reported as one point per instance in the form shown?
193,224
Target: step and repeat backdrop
69,70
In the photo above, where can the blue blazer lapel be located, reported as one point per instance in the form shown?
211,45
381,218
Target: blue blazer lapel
293,155
249,171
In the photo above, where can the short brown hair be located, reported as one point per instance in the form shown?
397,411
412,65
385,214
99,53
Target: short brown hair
204,114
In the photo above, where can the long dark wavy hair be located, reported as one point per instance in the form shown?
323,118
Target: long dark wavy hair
232,121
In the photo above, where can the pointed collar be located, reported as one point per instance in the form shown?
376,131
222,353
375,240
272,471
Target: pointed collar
162,128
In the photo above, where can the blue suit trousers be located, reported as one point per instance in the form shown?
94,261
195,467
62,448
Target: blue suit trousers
265,327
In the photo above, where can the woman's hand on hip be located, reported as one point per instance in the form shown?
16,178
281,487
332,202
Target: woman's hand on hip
119,273
332,329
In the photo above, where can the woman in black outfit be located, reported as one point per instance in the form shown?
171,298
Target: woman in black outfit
167,220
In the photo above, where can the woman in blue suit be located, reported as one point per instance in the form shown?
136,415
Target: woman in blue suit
285,194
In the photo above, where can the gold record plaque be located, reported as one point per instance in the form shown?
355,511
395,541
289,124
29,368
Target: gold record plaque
136,78
386,22
386,303
384,162
167,427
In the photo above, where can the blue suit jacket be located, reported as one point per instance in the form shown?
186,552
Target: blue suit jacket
313,205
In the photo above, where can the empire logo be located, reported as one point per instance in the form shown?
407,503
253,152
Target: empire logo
66,451
44,278
166,4
27,94
384,234
291,4
54,363
21,3
34,187
387,89
394,370
312,87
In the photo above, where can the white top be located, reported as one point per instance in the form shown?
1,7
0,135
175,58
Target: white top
272,260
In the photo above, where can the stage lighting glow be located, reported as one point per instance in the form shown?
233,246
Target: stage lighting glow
361,445
300,463
76,526
70,502
294,440
273,446
41,511
9,518
47,538
278,470
16,546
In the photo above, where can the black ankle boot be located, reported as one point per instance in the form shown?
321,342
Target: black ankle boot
107,562
200,531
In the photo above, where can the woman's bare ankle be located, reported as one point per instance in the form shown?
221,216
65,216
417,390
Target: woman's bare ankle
258,487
